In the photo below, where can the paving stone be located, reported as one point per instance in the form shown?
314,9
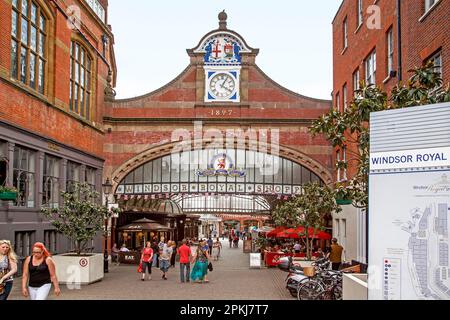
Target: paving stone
232,279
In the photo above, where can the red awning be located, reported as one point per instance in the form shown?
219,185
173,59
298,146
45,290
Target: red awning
293,233
274,232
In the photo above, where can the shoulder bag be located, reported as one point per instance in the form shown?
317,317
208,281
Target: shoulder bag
2,274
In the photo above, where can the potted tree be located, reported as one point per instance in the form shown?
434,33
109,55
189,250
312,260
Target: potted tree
8,193
80,218
309,210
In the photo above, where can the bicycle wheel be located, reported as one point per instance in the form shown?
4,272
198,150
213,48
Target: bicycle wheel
309,290
325,295
337,292
291,287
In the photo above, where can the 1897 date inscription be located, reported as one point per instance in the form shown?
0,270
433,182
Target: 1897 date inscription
221,112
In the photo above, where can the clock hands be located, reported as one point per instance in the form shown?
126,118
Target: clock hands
223,83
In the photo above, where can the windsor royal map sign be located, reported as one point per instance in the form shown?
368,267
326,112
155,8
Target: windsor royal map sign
409,211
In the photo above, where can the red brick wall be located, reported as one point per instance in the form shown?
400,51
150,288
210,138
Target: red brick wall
49,114
419,41
180,103
422,39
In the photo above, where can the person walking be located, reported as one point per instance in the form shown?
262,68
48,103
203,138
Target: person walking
155,254
216,249
200,270
185,266
335,255
210,245
164,258
174,254
8,268
236,241
220,247
160,247
115,254
230,240
39,274
147,260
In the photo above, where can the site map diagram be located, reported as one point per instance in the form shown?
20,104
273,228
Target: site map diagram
428,251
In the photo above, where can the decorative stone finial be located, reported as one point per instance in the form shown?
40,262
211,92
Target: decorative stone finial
110,93
223,20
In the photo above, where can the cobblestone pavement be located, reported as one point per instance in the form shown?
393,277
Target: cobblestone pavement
232,279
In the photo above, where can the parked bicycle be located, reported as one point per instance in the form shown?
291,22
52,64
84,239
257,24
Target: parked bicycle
297,276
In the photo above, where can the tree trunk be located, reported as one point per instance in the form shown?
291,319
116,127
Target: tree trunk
78,247
308,248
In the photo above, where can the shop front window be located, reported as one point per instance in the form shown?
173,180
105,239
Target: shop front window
51,183
24,174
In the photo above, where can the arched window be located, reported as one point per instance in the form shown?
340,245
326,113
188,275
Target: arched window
28,54
80,80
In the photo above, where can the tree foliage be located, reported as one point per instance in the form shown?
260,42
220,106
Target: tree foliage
311,209
81,216
351,128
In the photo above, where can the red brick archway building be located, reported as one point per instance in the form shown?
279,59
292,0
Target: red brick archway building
224,89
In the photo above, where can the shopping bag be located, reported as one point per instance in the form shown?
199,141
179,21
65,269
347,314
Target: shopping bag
210,267
139,270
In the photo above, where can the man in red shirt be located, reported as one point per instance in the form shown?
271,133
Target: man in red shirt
185,264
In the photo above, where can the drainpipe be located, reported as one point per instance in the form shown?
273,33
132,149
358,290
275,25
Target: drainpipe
399,39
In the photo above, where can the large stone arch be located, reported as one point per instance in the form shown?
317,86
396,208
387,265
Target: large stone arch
163,150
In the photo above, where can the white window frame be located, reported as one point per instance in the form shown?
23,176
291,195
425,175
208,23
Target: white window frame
356,80
390,51
435,57
338,102
344,156
345,31
344,94
338,169
98,9
360,13
429,4
371,68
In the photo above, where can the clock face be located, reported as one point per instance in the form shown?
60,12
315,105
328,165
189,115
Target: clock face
222,85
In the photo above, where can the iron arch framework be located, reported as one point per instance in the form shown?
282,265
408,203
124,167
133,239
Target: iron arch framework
216,172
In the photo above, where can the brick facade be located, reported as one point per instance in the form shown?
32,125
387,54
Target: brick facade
144,124
48,114
422,35
42,121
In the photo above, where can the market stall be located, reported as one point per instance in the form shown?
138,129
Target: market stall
136,234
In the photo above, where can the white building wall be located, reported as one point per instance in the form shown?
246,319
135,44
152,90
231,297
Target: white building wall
346,229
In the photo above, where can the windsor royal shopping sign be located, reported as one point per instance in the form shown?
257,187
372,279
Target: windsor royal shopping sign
423,158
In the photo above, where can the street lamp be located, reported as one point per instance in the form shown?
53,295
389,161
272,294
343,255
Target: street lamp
107,187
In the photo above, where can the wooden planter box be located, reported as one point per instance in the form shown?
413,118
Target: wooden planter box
8,196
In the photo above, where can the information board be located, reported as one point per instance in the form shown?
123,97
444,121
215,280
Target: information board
409,204
255,260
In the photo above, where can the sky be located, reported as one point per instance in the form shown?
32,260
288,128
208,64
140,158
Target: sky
294,38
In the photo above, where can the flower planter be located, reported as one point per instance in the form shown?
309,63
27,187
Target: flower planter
79,270
8,196
343,202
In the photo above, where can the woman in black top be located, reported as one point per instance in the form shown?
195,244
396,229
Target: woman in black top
38,274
